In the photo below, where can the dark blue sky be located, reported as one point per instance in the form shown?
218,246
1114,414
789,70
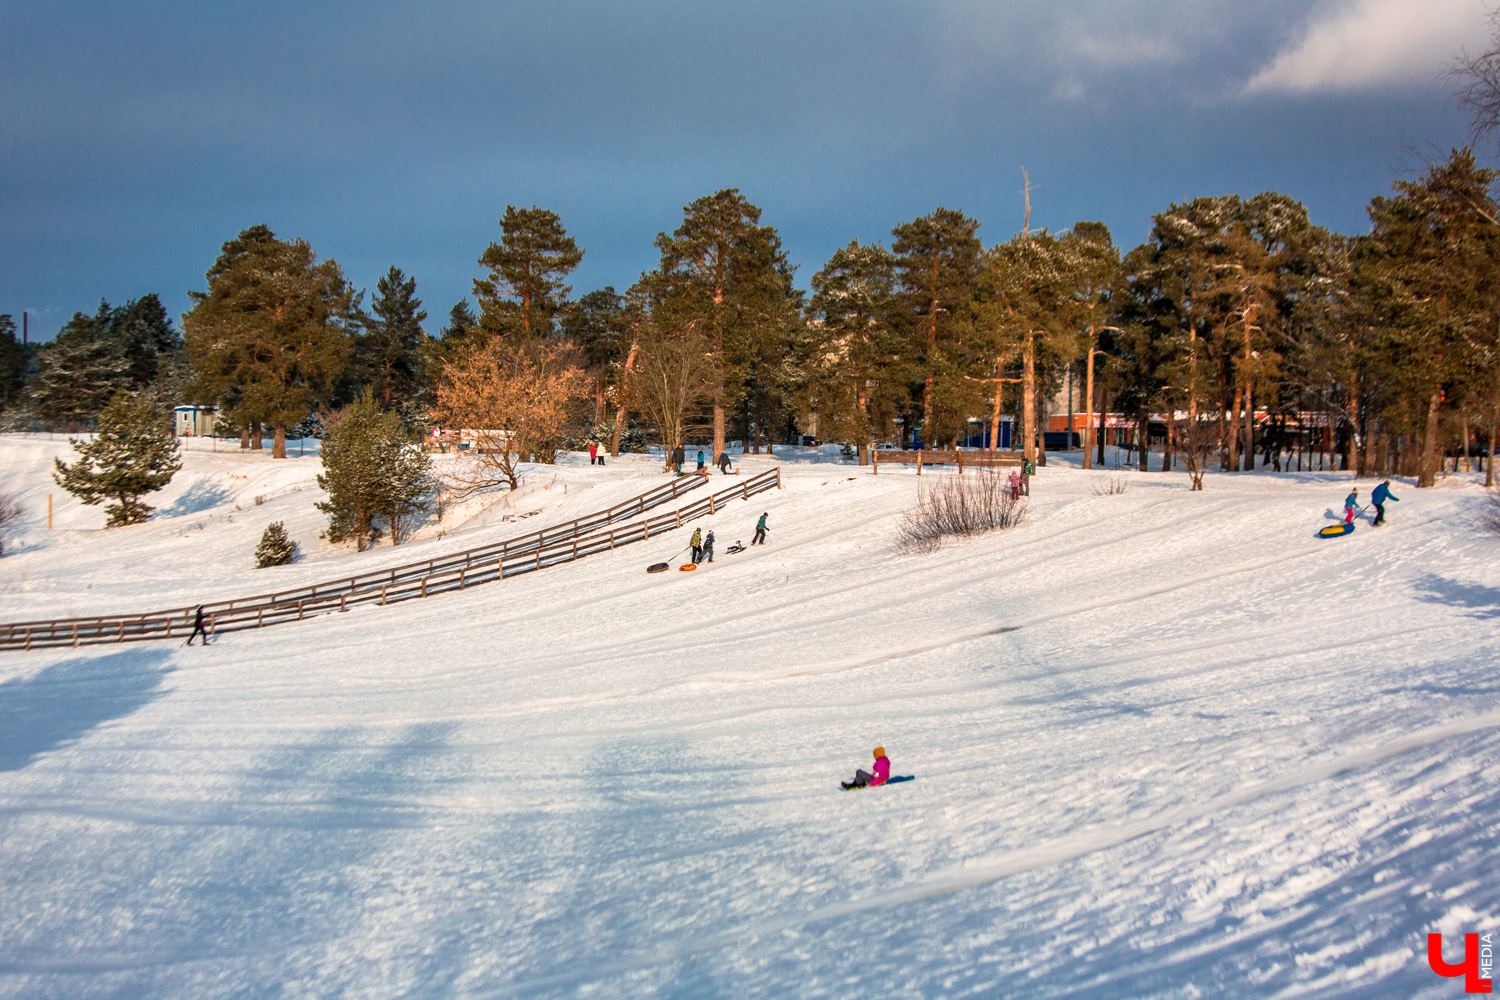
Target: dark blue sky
135,138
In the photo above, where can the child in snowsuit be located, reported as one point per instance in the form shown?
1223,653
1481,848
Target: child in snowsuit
593,452
708,548
760,530
881,776
697,544
199,628
1350,502
1379,497
701,466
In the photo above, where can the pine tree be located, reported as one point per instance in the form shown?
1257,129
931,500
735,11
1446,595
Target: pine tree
726,274
14,361
388,354
134,453
373,471
939,259
270,336
80,370
275,548
524,290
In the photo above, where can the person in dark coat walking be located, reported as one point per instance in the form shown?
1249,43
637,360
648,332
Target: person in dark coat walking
199,628
708,547
697,543
678,457
760,530
723,463
1379,497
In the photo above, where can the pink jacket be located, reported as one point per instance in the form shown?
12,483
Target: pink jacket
882,771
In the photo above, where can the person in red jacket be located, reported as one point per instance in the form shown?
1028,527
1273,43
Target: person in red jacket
882,773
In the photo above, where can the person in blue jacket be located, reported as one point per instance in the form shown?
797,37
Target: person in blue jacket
1379,497
1351,502
760,530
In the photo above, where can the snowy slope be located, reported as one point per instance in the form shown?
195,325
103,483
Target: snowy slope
1166,745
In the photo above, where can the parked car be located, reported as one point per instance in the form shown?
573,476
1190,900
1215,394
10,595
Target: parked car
1063,440
808,441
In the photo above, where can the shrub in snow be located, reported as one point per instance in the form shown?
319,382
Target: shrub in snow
275,548
958,506
133,454
10,513
1111,484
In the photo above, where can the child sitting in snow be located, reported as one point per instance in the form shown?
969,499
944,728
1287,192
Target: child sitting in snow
881,775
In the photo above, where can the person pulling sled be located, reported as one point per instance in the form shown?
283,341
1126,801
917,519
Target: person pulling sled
697,544
1379,497
863,778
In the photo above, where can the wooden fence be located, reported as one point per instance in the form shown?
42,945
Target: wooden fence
575,539
937,456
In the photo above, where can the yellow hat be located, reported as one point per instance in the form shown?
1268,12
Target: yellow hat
880,752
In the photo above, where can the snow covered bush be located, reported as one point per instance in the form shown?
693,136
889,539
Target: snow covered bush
959,506
275,548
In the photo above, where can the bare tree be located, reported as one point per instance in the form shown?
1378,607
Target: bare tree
1477,84
10,513
513,402
674,374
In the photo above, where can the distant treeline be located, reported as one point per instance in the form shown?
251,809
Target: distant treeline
1236,318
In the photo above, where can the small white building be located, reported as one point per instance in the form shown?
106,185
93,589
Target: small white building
194,421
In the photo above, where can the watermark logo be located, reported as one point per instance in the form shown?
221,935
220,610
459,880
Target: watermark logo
1478,963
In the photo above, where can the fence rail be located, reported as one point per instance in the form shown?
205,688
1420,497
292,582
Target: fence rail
977,459
585,536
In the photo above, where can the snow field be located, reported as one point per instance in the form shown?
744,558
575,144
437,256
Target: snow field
1166,745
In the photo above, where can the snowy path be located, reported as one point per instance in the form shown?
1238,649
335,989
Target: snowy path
1166,745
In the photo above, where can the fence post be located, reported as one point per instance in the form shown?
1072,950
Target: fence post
75,636
500,568
778,477
122,630
875,459
260,614
611,541
461,574
711,504
424,586
341,603
299,611
645,530
960,454
678,512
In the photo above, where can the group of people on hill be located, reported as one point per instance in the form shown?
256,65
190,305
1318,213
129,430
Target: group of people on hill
679,457
703,545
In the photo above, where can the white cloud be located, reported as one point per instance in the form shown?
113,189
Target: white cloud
1375,43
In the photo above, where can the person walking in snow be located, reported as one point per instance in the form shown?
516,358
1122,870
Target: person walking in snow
708,548
678,457
1350,503
863,778
593,452
1379,497
760,530
199,628
701,466
697,544
723,463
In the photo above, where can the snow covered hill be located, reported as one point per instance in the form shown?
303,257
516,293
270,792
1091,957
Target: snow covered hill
1165,744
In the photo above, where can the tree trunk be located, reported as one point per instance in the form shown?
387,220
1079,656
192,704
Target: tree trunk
1041,437
1088,413
718,428
1232,442
244,437
255,432
1142,425
1249,431
1468,466
599,409
1489,459
278,444
1028,400
1169,446
995,415
1102,434
1428,469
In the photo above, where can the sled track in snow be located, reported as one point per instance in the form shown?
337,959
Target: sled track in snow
584,536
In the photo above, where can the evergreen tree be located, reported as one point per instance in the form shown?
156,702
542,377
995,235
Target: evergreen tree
858,378
80,370
270,336
726,275
598,325
938,261
525,289
373,472
15,359
275,548
388,353
134,453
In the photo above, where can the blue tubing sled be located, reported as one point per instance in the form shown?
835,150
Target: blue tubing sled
1335,530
